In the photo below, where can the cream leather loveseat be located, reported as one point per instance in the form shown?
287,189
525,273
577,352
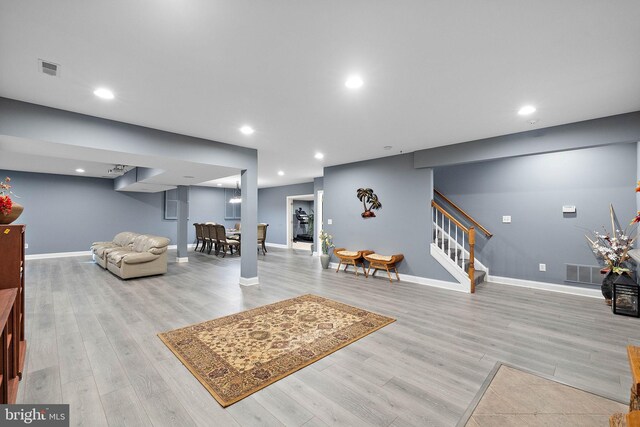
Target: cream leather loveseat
101,249
146,256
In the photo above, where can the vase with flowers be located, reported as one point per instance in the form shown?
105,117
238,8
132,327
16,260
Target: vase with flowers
326,243
9,210
613,248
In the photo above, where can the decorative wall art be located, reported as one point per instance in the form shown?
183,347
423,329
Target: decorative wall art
367,196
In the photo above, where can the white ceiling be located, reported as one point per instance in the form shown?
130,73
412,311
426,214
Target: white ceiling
435,72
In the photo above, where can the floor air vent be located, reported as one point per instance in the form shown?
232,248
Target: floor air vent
49,68
587,274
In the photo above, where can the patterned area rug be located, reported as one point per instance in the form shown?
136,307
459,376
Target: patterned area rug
237,355
512,397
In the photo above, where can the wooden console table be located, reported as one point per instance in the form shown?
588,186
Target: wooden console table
14,345
8,361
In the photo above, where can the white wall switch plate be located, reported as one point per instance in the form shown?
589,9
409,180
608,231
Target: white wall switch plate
329,221
543,267
26,246
568,209
506,219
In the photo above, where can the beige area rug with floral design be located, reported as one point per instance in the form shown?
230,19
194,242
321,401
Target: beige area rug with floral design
237,355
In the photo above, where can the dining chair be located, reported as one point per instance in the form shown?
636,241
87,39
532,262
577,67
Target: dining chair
223,243
199,235
262,238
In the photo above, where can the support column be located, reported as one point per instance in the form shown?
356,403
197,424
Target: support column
249,223
183,223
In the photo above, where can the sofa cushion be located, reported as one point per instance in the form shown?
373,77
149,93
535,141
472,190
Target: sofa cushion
115,256
125,238
138,257
153,244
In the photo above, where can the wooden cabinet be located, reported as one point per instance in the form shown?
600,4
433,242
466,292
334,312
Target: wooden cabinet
12,293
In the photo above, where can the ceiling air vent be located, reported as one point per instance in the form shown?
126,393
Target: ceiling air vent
49,68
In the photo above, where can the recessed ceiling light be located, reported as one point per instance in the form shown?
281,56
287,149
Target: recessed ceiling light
219,185
319,156
79,170
103,93
354,82
526,110
387,147
281,173
247,130
188,176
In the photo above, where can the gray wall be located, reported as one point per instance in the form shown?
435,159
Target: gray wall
67,213
590,133
402,225
272,208
533,190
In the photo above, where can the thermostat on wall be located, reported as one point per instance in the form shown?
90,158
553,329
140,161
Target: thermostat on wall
568,209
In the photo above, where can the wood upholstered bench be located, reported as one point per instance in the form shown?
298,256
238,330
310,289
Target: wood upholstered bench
386,262
348,258
632,419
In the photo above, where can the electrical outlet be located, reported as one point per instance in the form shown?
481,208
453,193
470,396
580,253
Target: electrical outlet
329,221
543,267
506,219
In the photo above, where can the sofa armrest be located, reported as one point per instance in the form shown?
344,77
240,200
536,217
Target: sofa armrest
138,257
102,243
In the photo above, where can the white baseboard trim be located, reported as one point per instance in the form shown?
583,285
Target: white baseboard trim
276,245
57,255
83,253
553,287
189,246
249,281
452,286
182,259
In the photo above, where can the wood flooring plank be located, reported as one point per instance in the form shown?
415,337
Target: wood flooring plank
82,395
123,409
42,386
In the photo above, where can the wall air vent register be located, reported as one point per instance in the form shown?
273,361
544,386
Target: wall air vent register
49,68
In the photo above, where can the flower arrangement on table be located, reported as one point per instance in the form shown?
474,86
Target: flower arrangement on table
613,247
6,204
326,242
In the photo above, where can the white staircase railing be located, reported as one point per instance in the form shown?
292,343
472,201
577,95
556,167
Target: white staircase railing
452,238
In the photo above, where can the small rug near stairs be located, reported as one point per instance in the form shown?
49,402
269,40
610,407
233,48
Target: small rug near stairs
237,355
512,397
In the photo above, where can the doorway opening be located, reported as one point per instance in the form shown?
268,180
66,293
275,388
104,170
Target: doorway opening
300,222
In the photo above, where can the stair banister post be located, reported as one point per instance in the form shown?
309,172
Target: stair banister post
472,242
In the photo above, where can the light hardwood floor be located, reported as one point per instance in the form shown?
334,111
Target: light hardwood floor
92,343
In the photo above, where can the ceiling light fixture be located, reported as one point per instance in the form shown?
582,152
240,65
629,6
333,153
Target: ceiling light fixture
247,130
281,173
188,176
237,195
80,170
526,110
319,156
387,147
219,185
354,82
103,93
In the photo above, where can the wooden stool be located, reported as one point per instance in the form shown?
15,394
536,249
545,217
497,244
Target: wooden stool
632,419
379,262
351,258
634,363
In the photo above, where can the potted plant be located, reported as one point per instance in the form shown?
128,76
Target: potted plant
326,243
613,247
9,210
